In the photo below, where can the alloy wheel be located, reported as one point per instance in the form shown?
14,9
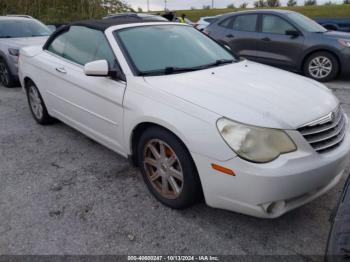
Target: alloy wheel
35,102
4,74
163,169
320,67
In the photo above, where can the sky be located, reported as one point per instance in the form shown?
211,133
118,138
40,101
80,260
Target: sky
156,5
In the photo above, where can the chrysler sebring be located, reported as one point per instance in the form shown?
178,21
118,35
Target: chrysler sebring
198,122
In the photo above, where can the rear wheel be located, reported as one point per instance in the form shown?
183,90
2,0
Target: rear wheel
6,77
321,66
168,169
37,105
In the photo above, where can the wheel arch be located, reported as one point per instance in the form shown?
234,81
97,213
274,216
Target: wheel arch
313,51
136,134
141,127
26,81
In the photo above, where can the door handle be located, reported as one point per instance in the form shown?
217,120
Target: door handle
230,36
266,39
61,70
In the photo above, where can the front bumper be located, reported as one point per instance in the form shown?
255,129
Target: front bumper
272,189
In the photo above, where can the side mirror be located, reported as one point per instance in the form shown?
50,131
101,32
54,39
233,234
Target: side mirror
101,68
97,68
293,33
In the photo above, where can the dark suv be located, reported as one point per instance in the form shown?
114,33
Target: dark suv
285,39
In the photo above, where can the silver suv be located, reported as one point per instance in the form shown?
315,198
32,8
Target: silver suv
15,33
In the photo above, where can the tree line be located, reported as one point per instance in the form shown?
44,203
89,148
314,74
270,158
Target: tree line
62,11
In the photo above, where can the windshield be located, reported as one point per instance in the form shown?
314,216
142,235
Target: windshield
306,23
22,28
170,48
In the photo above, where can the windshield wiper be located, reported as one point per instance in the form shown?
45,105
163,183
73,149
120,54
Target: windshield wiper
169,70
223,62
173,70
216,63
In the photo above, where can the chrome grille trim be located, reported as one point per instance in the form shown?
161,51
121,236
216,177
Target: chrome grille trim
336,142
327,133
320,137
316,129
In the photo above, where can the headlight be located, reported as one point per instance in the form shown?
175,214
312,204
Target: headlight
14,51
344,42
256,144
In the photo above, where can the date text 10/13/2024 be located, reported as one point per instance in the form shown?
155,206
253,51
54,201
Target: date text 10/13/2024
173,258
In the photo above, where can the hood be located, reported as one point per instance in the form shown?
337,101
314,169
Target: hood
252,93
337,34
26,41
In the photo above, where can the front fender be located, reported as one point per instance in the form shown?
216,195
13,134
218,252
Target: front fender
317,48
195,126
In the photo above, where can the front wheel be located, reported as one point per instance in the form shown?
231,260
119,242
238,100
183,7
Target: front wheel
168,169
321,66
37,105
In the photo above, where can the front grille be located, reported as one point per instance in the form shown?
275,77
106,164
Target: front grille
326,133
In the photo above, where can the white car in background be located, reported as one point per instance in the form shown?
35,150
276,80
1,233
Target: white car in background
197,121
203,22
17,31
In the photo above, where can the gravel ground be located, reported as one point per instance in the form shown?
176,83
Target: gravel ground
62,193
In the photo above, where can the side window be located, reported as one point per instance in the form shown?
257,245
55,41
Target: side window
245,23
226,23
82,45
275,25
209,20
104,52
57,45
85,45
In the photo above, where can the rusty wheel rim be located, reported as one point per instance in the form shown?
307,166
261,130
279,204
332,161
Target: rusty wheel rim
163,169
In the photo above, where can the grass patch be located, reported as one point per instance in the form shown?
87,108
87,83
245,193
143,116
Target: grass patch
323,11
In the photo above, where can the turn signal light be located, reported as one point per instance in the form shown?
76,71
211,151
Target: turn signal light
224,170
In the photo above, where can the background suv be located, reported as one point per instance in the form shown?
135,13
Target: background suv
285,39
15,33
144,17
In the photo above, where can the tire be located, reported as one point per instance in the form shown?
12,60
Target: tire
37,105
6,77
174,163
321,66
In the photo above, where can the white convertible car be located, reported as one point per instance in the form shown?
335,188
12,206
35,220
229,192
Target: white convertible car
198,121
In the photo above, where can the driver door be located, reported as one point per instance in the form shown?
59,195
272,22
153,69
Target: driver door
93,105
